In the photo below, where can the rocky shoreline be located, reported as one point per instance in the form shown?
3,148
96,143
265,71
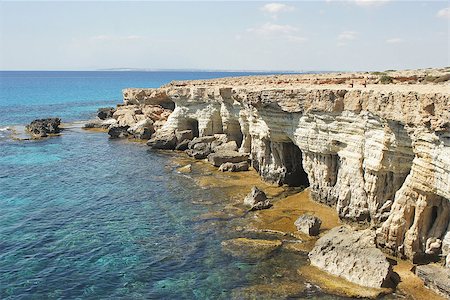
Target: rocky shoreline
376,151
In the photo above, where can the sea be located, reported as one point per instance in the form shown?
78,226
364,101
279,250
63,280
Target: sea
86,217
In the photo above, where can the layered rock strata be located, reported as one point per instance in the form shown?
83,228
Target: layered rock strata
379,153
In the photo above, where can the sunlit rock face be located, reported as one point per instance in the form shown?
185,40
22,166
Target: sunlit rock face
379,154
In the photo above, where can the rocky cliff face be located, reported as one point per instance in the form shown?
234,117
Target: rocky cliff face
378,153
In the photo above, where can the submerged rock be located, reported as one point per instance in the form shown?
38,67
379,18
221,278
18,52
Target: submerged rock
257,199
308,224
185,169
436,278
353,256
105,113
44,127
250,248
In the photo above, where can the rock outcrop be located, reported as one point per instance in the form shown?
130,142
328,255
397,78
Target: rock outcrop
257,199
104,113
379,153
436,278
308,224
352,255
43,127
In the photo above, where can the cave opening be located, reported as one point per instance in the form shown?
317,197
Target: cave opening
192,124
167,104
234,133
293,161
433,217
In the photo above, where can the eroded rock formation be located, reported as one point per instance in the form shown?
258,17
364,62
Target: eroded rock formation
379,153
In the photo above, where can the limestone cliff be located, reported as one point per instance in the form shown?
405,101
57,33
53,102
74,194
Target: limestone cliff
378,153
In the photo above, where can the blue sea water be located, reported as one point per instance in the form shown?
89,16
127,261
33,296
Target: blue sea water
86,217
76,95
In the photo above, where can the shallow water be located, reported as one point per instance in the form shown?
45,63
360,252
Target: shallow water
85,216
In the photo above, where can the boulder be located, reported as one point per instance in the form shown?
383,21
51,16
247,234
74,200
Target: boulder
234,167
182,146
165,141
116,131
250,248
257,199
447,261
105,113
353,256
221,157
142,130
184,135
436,277
44,127
308,224
229,146
219,140
200,150
185,169
204,139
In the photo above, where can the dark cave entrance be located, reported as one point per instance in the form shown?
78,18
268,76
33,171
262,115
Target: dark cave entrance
234,132
293,161
192,124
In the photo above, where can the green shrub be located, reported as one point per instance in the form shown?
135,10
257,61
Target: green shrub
378,73
385,79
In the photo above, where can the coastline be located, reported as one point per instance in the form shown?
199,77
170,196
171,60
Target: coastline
278,223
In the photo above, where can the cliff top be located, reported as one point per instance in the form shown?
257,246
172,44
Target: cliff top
420,81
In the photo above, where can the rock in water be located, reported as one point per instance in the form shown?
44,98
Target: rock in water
105,113
257,199
436,278
250,248
116,131
165,141
44,127
142,130
308,224
353,256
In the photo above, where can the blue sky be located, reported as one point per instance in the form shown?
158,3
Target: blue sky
234,35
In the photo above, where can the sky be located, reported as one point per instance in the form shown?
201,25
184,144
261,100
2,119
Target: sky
347,35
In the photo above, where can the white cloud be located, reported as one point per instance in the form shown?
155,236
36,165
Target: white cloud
273,9
347,36
444,13
394,41
272,29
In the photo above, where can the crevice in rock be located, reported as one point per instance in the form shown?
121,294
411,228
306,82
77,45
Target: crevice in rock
234,132
293,161
190,124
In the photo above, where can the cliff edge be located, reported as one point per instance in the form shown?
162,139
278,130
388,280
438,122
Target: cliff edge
375,146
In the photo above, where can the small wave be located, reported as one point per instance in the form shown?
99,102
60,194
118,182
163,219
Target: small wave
5,128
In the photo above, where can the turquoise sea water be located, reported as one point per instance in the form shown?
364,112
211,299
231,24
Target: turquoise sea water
86,217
